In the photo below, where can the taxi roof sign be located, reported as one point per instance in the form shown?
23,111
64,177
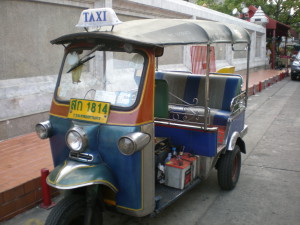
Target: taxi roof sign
98,18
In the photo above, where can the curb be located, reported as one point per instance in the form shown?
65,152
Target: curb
260,86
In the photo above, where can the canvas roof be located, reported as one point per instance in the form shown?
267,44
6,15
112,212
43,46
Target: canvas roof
163,32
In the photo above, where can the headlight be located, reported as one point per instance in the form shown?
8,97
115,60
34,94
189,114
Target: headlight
133,142
296,63
43,129
76,139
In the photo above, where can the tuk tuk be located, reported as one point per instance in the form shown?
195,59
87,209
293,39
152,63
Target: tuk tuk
125,136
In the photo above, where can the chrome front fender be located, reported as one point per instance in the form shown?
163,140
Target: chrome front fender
236,138
233,140
73,174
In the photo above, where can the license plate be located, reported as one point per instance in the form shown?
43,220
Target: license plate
89,110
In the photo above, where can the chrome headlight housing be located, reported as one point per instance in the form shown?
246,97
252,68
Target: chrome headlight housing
43,129
76,139
133,142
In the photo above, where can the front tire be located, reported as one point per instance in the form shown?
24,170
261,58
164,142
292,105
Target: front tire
71,211
229,167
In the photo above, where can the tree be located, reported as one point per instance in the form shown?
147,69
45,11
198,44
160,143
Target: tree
285,11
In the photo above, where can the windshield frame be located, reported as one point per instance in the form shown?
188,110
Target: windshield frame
89,46
298,56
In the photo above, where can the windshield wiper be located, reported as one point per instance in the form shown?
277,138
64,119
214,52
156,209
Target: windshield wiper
80,62
85,58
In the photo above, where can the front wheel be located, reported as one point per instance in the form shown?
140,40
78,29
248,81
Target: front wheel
229,167
71,211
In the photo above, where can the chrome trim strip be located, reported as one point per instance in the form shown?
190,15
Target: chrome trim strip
47,127
139,140
84,185
244,131
69,166
79,130
189,113
184,124
77,157
233,140
238,101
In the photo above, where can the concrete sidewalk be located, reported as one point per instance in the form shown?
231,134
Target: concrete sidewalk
23,157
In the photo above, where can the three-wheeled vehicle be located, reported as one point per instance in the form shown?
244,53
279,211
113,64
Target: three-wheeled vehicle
127,137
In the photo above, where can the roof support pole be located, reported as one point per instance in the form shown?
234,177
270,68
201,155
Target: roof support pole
247,73
206,111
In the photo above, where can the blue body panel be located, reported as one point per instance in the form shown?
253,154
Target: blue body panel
102,145
59,149
237,124
231,90
197,142
127,169
220,117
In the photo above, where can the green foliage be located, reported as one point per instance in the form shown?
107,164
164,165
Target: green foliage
276,9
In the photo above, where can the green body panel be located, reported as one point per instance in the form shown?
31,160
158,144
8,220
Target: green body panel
72,174
161,99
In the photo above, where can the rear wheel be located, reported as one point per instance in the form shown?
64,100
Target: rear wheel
229,167
71,211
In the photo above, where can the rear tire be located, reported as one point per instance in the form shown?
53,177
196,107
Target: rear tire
229,167
71,211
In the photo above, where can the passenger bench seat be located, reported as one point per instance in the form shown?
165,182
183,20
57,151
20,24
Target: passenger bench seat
190,86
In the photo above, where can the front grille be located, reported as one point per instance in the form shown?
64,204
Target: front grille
81,156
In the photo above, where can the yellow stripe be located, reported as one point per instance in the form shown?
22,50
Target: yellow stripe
60,104
110,202
115,124
52,114
123,207
136,124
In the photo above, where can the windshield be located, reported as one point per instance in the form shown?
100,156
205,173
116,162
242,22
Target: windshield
113,77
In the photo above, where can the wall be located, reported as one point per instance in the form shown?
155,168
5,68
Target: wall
25,47
29,63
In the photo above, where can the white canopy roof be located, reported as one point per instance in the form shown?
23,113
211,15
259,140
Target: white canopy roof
162,32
